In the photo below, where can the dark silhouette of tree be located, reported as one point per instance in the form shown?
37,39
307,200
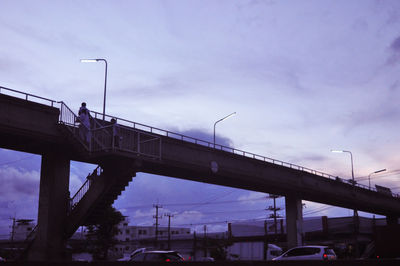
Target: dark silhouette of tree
103,233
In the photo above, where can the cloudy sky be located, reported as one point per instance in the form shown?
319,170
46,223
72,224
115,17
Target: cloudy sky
304,77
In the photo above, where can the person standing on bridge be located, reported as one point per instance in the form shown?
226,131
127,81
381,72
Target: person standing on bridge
115,131
84,118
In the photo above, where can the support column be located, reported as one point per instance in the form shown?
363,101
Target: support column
294,221
49,243
392,220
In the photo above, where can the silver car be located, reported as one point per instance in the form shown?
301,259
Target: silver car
308,253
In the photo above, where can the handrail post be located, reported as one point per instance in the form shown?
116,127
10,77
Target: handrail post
138,147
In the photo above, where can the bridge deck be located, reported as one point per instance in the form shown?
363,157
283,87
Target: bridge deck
165,153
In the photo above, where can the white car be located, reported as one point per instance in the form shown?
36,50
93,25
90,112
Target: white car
308,253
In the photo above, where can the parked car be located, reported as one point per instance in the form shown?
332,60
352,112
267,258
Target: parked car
157,255
205,259
308,253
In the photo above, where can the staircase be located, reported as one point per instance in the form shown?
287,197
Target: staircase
103,186
100,190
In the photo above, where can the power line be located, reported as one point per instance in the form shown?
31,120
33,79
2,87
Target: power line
221,212
225,221
196,203
318,210
15,161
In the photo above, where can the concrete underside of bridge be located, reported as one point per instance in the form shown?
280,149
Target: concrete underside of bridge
34,128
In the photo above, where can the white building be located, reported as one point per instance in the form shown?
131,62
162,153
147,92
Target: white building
21,229
128,232
129,236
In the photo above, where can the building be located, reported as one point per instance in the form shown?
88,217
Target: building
21,229
128,232
132,237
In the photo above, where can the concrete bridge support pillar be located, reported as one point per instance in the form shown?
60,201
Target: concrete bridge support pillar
392,220
49,243
294,221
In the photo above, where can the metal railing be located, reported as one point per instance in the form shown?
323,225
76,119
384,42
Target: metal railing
68,118
27,96
129,125
211,145
103,137
85,187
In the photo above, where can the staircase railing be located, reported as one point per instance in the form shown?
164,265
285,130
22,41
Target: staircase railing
103,136
85,187
68,118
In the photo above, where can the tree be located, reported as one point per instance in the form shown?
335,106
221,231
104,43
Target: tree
103,232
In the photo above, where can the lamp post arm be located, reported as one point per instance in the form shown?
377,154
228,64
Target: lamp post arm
215,124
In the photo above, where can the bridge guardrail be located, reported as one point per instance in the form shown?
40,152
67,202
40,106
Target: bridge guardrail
27,96
182,137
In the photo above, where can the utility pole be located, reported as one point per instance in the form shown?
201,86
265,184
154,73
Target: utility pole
13,229
205,240
274,215
265,240
157,217
169,229
194,245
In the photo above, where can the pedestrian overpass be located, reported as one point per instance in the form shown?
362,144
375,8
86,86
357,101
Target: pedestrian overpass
43,126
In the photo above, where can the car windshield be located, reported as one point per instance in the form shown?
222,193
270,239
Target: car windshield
173,257
329,251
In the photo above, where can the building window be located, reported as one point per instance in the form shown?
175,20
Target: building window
29,229
126,247
127,231
127,239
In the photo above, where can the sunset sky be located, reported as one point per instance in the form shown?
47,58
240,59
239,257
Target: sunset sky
304,77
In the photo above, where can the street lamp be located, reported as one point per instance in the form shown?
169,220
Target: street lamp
105,79
369,176
355,213
222,119
352,168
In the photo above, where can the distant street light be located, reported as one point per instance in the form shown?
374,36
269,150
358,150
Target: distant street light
369,176
105,80
226,117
